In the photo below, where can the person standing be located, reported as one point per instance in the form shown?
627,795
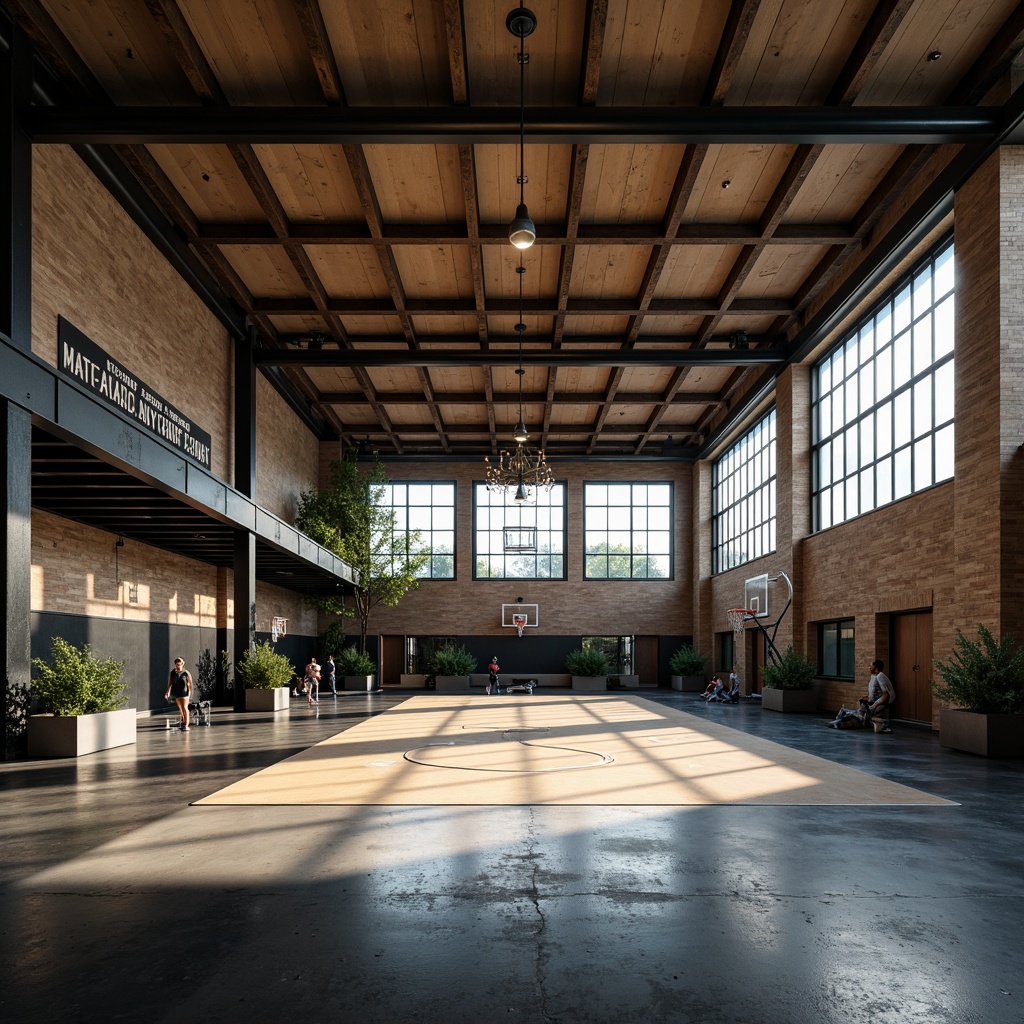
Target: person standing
327,674
312,682
493,686
179,686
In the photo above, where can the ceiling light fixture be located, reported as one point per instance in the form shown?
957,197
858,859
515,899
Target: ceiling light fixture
521,469
522,232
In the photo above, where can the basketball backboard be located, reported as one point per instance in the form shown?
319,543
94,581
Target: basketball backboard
755,595
531,611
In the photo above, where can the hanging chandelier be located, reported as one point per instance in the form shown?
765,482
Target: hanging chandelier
521,469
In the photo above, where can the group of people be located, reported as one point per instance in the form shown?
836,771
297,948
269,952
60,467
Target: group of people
874,704
179,685
314,675
720,693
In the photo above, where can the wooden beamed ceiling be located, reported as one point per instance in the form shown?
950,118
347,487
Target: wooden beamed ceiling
701,175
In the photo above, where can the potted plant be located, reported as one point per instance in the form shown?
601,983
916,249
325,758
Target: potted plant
588,668
452,667
985,678
788,684
687,669
84,697
266,675
356,669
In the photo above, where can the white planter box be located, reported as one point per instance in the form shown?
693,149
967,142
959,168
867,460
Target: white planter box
74,735
274,699
363,683
590,683
452,684
688,684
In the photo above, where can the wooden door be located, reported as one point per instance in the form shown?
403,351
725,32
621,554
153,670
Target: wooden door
911,667
392,660
645,659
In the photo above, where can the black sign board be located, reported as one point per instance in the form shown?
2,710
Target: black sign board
82,360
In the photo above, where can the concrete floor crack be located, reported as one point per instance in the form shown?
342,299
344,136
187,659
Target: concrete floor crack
540,933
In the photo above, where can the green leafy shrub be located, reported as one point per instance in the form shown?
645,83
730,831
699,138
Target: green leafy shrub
793,672
351,662
685,661
586,662
78,683
333,640
262,668
984,675
452,661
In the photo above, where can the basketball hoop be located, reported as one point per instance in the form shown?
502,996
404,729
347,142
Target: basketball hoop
737,618
278,628
520,538
519,621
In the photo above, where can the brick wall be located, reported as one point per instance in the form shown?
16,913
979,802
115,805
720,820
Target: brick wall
92,265
571,606
287,454
79,570
95,267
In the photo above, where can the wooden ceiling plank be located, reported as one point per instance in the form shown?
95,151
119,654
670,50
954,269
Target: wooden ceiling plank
54,46
321,53
883,24
994,64
151,176
476,259
609,397
186,51
871,43
595,24
734,38
455,33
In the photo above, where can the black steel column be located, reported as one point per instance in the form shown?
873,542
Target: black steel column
16,567
245,605
245,482
16,203
245,415
15,422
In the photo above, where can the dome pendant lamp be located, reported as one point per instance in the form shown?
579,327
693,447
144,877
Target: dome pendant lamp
522,232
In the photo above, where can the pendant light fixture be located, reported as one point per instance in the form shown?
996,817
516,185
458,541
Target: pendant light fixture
522,469
522,232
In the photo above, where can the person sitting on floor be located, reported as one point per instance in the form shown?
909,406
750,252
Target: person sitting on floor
735,691
715,690
848,719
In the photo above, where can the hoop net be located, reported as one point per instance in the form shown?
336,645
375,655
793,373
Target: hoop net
278,628
519,621
737,618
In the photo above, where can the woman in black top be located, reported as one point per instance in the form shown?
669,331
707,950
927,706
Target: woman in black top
179,686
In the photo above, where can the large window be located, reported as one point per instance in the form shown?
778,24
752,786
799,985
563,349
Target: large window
882,400
542,518
743,498
835,649
627,531
428,509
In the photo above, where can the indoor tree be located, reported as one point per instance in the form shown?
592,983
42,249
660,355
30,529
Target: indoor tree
351,518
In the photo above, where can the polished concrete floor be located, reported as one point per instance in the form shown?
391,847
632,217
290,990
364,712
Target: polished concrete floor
120,902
